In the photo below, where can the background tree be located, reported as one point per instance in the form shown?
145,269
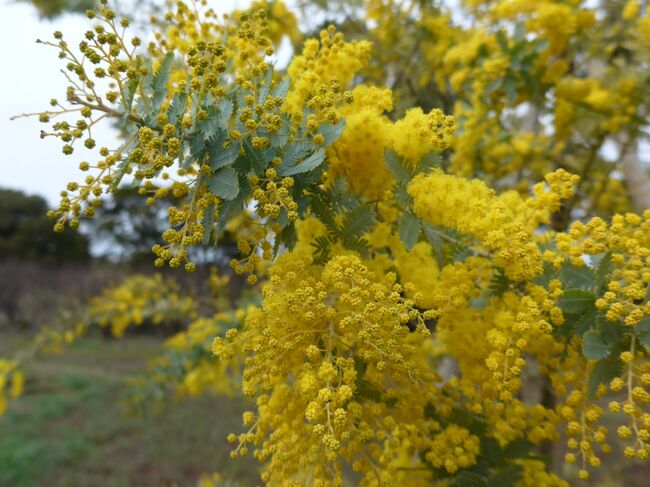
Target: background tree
53,8
23,234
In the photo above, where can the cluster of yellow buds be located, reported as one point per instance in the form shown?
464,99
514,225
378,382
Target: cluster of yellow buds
320,74
274,202
137,300
11,382
305,346
453,448
274,196
635,383
251,259
583,432
626,240
472,208
190,221
54,337
156,151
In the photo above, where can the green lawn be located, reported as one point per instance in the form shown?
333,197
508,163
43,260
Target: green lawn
71,428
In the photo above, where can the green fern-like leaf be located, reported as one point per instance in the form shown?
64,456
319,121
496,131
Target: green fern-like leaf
306,165
266,87
160,79
397,167
322,246
499,282
409,229
357,222
360,245
177,107
324,210
430,161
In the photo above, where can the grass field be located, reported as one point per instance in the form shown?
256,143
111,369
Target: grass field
70,427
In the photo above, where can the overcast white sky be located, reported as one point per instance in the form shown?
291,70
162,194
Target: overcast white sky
29,78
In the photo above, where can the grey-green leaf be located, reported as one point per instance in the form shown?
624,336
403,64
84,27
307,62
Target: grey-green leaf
331,132
281,137
308,164
258,158
219,155
576,301
603,269
226,108
433,236
282,88
643,329
208,223
160,79
177,108
409,229
357,222
224,183
585,321
295,151
265,88
396,166
402,197
604,371
593,346
576,276
469,479
131,88
507,477
429,161
197,147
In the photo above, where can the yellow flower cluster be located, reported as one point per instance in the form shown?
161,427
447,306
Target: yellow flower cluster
470,207
616,103
548,197
53,338
587,440
510,338
328,348
138,300
193,74
282,21
453,448
627,240
644,28
419,269
635,382
358,155
418,133
535,474
11,383
491,346
321,62
554,20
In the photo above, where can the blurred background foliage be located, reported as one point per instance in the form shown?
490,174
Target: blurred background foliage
25,232
52,8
